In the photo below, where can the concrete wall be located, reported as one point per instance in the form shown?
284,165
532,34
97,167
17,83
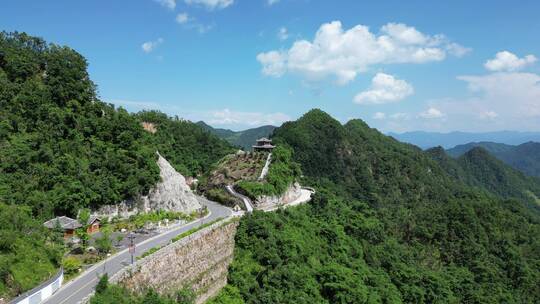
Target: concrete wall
42,292
199,261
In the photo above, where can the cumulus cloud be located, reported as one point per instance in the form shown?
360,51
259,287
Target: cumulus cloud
191,23
431,113
211,4
228,117
283,34
379,116
272,2
150,46
506,61
183,18
170,4
273,63
509,94
343,54
384,89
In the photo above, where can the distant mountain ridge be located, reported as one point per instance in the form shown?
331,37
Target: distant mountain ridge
427,140
478,168
244,139
524,157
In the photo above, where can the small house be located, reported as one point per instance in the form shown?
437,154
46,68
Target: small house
68,225
93,224
263,145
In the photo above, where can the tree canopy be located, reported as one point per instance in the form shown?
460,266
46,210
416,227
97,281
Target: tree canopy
387,225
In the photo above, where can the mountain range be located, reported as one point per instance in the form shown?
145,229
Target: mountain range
524,157
243,139
427,140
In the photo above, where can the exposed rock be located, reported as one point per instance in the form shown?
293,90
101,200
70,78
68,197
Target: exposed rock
171,194
150,127
271,202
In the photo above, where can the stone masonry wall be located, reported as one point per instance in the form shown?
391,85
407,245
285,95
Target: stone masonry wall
199,261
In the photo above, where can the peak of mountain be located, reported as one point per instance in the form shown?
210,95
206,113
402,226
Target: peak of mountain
524,157
387,220
244,139
427,140
492,147
479,168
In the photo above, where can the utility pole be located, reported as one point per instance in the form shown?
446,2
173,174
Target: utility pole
131,246
201,215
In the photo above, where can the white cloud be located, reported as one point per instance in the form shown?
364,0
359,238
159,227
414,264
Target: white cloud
506,61
510,94
150,46
489,115
379,116
273,63
384,89
228,117
272,2
211,4
457,49
283,34
183,18
431,113
497,101
191,23
343,54
170,4
399,116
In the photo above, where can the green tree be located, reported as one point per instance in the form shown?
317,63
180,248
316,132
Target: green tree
104,243
102,284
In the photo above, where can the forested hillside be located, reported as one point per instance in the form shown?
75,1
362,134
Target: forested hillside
185,144
387,225
63,149
478,168
244,139
524,157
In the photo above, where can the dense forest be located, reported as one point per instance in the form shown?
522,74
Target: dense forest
63,149
524,157
478,168
387,225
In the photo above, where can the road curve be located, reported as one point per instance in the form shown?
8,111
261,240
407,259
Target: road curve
83,286
245,199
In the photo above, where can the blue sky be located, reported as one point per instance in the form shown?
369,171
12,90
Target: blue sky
399,65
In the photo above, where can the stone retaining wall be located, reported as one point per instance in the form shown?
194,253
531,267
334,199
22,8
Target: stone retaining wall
199,261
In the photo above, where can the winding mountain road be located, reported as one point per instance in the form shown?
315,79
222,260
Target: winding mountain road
83,286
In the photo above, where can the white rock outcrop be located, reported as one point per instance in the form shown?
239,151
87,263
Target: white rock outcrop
271,202
171,194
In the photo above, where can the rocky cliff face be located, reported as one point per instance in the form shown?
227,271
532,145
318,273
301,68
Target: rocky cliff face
271,202
171,194
199,262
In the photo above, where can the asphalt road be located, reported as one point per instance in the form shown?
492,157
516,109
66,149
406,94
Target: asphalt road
81,287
